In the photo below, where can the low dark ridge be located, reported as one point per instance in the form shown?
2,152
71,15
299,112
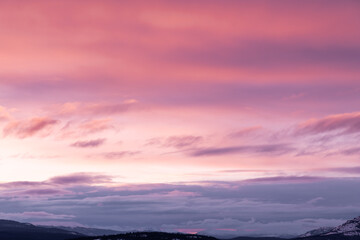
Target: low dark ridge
150,236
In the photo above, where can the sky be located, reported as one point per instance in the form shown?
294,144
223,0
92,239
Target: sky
208,116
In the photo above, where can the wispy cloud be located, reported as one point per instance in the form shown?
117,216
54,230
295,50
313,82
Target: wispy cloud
351,151
43,191
119,154
28,128
245,132
285,179
346,123
93,109
182,141
80,178
275,149
348,170
179,141
89,143
55,186
34,215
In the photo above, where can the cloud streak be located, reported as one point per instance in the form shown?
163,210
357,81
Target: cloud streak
89,143
80,178
28,128
346,123
275,149
93,109
119,154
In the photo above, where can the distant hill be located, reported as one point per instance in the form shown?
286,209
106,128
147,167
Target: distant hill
150,236
11,230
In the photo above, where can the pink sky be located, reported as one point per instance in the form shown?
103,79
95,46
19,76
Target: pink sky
164,92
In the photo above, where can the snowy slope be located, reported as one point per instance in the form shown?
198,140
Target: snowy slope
317,232
349,228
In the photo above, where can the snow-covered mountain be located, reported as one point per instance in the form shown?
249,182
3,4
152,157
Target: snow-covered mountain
349,228
317,232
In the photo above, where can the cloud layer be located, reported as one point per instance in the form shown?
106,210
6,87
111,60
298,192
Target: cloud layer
251,207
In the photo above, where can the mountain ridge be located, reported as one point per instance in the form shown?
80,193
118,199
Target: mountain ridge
350,228
12,230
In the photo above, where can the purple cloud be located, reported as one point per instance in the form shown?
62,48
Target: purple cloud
284,179
80,178
347,123
351,170
89,144
351,151
241,205
268,54
34,215
276,149
245,132
108,109
43,191
21,184
182,141
118,155
56,185
179,142
79,108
